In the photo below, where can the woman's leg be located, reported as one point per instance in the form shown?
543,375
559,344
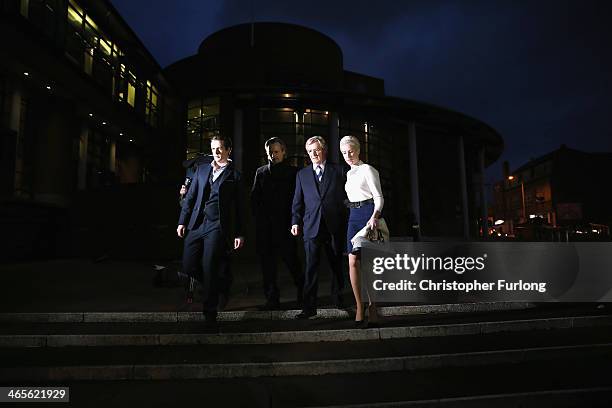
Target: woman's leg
353,262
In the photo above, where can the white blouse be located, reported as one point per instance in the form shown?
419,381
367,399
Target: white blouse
363,183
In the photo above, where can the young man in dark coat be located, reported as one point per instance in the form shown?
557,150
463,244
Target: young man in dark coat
212,213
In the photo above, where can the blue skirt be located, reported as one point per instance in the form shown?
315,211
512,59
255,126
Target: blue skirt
358,218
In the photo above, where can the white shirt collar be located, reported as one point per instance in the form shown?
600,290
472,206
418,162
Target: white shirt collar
213,164
314,166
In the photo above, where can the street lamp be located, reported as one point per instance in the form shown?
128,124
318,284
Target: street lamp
522,198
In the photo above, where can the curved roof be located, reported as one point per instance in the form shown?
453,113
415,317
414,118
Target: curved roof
245,59
243,34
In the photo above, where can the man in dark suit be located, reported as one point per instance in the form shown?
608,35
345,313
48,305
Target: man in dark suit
271,198
212,213
318,209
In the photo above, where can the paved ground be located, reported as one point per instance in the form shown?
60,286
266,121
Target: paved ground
83,285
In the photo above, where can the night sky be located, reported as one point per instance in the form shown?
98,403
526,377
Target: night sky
539,72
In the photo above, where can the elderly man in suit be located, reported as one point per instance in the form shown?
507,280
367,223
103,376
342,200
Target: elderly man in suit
271,198
318,209
212,212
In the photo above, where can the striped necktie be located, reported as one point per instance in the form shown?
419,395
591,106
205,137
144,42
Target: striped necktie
319,173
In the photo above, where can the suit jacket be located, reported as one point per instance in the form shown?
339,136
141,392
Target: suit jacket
231,202
312,204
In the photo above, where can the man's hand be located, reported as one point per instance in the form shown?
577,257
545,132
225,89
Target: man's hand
238,242
180,231
183,190
295,230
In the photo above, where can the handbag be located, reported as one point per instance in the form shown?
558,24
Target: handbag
376,236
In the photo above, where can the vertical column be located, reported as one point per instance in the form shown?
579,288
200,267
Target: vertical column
238,139
15,112
112,158
53,150
82,169
463,186
483,194
12,146
333,141
414,180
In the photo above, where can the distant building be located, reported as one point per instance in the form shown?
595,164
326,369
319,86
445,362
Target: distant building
564,191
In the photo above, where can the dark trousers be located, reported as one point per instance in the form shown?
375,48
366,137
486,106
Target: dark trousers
278,245
206,258
313,248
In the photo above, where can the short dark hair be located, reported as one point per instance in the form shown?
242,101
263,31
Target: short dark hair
227,142
273,140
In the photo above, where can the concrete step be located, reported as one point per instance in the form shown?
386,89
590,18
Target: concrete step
291,359
323,313
47,335
571,398
585,383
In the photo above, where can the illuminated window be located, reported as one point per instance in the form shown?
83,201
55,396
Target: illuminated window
93,50
151,101
76,7
74,18
101,58
25,8
202,124
105,47
131,95
294,127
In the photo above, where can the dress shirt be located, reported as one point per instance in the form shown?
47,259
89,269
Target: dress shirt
217,170
363,183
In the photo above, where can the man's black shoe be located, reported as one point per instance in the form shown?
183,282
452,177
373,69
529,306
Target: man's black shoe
270,305
337,301
222,303
305,314
210,320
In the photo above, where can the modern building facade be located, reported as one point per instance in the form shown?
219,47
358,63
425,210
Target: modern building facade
91,124
562,192
255,81
84,106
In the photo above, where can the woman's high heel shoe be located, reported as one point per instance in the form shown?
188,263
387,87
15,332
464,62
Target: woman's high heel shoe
361,324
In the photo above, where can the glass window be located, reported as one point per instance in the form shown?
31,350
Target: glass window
76,7
74,18
131,94
24,9
151,110
202,124
41,14
100,57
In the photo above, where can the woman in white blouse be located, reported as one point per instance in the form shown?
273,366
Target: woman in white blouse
365,203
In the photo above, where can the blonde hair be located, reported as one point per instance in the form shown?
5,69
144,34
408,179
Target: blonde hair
350,140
